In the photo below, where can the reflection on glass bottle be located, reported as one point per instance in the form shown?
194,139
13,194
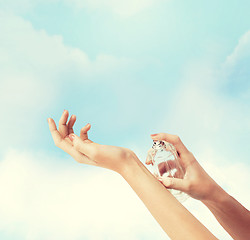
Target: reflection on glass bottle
166,162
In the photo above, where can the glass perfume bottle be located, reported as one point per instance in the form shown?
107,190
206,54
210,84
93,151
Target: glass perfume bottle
166,162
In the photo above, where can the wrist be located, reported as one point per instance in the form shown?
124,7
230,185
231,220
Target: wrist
217,197
130,164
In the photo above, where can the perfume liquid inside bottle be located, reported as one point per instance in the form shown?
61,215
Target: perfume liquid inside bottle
165,161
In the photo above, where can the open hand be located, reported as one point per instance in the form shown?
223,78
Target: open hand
83,150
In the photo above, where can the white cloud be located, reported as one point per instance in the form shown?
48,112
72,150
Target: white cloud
236,72
33,66
205,112
35,198
242,50
24,49
40,200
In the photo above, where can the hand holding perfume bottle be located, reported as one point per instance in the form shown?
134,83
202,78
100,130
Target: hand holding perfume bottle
166,162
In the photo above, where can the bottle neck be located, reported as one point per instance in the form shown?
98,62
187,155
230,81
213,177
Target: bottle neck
158,145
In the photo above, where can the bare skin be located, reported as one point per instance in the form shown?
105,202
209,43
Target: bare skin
146,186
233,217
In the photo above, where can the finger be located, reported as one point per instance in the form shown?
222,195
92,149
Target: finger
173,139
71,123
149,156
84,132
63,128
54,132
175,183
58,139
66,146
90,149
148,161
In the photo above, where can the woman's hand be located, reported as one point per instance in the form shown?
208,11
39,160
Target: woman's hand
196,183
86,151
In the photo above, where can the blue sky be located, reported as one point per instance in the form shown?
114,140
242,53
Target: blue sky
130,68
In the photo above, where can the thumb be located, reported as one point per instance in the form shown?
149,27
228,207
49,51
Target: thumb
174,183
86,148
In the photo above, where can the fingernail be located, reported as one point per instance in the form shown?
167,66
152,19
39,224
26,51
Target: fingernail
153,135
72,137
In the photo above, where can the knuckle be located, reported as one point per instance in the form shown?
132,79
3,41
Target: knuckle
191,157
162,135
191,154
176,139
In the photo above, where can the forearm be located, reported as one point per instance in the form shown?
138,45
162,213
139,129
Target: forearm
232,216
174,219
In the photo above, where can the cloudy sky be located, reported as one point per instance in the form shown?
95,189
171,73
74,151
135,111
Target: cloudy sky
130,68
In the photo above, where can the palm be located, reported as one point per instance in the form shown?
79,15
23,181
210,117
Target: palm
62,140
86,151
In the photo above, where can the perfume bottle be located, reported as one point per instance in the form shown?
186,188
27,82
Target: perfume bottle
166,162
